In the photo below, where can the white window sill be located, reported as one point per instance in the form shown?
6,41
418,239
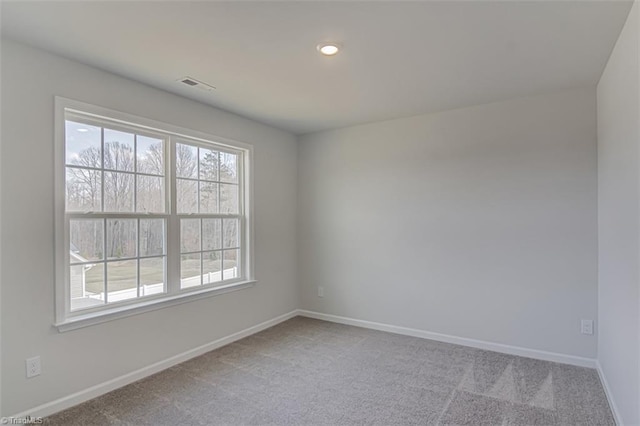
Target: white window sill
80,321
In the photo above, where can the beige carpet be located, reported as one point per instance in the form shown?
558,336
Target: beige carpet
310,372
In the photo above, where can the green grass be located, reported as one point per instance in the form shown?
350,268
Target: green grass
121,276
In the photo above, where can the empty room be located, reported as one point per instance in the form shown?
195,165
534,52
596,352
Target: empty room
320,212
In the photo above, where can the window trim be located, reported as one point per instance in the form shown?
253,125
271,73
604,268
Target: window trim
65,319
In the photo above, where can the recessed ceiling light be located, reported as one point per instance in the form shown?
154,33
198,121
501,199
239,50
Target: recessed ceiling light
328,48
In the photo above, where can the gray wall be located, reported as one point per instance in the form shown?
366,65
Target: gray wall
79,359
619,226
478,222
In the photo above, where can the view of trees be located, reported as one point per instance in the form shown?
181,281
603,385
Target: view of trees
206,183
84,193
84,182
129,176
207,180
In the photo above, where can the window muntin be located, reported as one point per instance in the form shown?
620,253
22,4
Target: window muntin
113,171
123,213
209,250
207,184
110,169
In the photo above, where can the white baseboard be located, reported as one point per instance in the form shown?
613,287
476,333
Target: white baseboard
102,388
480,344
607,391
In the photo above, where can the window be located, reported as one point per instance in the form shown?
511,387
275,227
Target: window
207,184
151,214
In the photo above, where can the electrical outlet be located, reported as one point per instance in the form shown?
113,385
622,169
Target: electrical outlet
320,291
33,366
586,326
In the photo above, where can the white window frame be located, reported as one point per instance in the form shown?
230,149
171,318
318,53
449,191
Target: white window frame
65,319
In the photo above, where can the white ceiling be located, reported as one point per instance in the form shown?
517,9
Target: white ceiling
399,58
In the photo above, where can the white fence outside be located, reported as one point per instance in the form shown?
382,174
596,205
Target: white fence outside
92,299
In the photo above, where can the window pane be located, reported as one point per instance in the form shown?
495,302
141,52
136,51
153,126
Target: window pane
211,234
86,240
228,167
208,197
122,280
151,276
118,150
150,153
94,280
151,237
189,235
190,274
228,198
231,236
118,192
150,195
83,190
209,164
187,196
83,146
87,286
121,238
211,266
186,161
231,264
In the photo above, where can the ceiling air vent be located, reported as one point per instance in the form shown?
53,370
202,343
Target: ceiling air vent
190,81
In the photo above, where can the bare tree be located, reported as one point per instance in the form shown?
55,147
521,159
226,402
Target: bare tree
186,161
153,162
118,186
187,167
84,184
197,174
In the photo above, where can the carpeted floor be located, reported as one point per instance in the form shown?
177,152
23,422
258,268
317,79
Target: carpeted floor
310,372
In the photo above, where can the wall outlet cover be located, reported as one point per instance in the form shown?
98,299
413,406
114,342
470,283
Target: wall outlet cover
586,326
33,366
